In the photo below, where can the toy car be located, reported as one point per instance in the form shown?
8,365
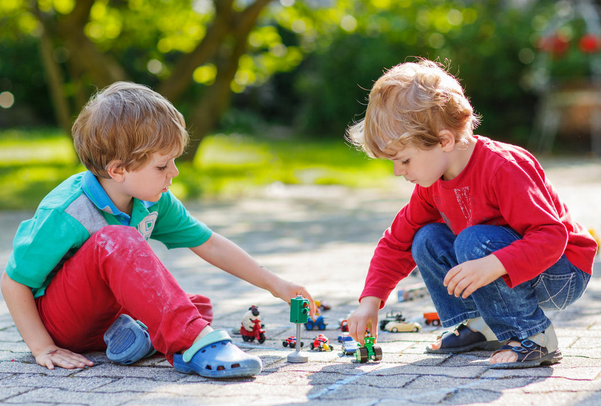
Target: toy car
395,322
402,327
318,322
368,351
291,342
349,346
391,316
432,318
251,327
322,306
344,326
321,343
412,292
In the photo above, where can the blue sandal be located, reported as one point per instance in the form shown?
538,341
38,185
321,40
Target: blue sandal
463,339
529,355
215,356
127,341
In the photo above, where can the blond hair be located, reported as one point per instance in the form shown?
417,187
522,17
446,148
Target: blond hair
127,122
412,103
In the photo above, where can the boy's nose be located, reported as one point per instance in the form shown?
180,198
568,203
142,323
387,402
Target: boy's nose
398,169
174,171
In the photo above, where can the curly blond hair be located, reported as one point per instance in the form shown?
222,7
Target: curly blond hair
411,103
127,122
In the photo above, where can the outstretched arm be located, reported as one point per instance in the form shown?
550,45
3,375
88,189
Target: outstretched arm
24,312
226,255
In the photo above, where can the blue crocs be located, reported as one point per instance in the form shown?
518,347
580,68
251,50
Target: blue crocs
215,356
127,341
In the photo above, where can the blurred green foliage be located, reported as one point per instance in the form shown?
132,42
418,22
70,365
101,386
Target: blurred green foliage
480,41
310,64
33,162
339,48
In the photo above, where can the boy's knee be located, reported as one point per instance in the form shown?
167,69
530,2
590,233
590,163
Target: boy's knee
425,236
481,240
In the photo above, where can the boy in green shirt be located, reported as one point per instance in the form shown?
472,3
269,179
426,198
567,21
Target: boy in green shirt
81,269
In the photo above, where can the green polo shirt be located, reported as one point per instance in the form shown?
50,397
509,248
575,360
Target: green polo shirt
75,210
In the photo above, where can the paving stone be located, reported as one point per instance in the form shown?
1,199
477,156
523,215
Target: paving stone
12,391
322,238
57,382
109,370
556,384
71,397
589,373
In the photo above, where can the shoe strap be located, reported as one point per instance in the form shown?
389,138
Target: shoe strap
211,338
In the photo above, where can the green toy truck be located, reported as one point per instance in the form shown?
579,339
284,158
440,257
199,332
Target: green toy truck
368,351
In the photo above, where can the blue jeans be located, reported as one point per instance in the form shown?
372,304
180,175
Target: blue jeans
509,312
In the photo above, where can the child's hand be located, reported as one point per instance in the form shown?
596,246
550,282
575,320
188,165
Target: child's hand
464,279
365,317
49,357
287,290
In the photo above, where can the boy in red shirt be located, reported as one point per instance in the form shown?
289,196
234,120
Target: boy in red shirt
488,232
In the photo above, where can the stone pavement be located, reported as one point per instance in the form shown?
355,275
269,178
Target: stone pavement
323,237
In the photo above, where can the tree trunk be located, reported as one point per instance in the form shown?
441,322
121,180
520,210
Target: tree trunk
216,99
55,83
102,68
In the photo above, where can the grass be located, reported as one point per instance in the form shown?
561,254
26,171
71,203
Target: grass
33,162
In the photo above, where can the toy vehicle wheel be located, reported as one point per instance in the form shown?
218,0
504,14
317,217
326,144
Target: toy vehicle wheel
292,345
302,344
383,324
309,326
377,353
428,322
361,355
261,338
415,329
394,330
285,344
312,346
436,323
247,338
322,326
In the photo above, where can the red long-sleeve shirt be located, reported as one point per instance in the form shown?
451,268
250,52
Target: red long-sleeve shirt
501,185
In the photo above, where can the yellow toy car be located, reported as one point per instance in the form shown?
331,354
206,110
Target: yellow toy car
395,323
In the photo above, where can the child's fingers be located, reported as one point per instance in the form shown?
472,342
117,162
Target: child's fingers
353,328
64,359
451,274
458,287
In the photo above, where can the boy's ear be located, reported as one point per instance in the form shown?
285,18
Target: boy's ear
116,171
447,140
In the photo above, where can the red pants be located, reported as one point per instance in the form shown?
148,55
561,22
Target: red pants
117,272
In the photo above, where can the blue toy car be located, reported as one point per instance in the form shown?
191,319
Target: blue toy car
349,346
318,323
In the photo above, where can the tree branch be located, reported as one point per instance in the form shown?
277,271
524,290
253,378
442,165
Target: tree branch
215,101
103,68
181,75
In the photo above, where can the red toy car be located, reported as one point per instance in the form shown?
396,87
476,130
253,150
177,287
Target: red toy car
321,343
432,318
291,342
344,326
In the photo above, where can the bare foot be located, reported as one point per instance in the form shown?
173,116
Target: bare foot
505,356
437,344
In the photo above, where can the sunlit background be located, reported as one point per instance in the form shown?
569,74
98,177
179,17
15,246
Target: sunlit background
269,87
